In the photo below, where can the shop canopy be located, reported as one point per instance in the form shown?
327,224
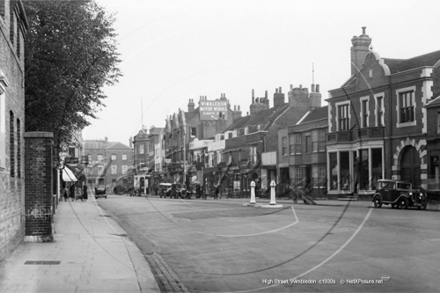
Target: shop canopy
68,175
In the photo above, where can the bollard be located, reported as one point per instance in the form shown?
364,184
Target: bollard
253,193
272,193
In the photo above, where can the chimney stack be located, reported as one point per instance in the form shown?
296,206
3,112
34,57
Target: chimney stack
191,105
359,51
278,98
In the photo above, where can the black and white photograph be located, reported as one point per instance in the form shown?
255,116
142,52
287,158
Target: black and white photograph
219,146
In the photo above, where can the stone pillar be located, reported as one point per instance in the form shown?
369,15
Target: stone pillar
253,193
272,193
38,186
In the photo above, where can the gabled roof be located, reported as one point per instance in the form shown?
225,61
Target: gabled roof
118,146
399,65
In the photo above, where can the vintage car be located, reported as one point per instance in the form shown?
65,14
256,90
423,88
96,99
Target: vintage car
399,194
165,189
100,191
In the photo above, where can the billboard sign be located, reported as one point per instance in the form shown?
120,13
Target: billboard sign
213,110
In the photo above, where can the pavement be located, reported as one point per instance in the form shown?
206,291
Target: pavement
90,253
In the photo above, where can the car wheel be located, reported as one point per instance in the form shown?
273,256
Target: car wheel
377,202
403,203
393,206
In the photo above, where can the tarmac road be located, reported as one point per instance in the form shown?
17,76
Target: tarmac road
221,246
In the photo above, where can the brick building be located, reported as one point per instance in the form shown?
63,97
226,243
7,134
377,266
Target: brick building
302,152
107,161
378,121
13,26
433,144
252,141
203,122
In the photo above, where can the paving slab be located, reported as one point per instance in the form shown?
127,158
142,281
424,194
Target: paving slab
90,253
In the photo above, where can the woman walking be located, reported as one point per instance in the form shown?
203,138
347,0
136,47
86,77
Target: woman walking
85,196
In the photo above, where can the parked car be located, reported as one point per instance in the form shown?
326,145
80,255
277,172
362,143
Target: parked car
399,194
100,191
165,189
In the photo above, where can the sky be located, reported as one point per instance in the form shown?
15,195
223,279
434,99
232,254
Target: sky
176,50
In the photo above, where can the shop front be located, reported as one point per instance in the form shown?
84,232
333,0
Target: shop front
353,170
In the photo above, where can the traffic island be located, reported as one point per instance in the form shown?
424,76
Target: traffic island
272,204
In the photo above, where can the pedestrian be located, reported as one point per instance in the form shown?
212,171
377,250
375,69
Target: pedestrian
217,191
198,191
85,195
72,192
65,193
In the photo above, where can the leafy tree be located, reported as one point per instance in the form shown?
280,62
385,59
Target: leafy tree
70,54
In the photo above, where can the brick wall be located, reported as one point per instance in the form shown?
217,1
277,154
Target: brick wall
39,180
11,153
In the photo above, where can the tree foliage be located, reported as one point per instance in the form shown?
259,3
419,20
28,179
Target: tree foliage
70,54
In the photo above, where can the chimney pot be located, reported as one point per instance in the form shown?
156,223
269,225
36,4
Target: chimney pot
317,88
279,90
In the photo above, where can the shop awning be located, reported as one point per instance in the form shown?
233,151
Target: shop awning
68,175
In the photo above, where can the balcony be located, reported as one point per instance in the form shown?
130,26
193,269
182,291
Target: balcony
371,132
340,136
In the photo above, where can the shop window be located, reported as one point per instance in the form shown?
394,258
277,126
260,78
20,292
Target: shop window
363,169
376,165
344,162
333,158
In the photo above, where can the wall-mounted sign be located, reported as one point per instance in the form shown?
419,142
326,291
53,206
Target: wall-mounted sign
213,110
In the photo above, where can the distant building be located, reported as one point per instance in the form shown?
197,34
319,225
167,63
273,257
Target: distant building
251,146
107,161
13,27
203,122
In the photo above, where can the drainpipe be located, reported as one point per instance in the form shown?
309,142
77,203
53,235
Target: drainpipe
390,127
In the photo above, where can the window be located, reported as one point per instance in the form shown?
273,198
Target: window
438,123
193,131
18,149
344,171
100,157
364,112
113,157
124,157
253,155
379,111
72,152
315,141
284,146
295,144
406,100
333,158
321,141
141,149
343,117
11,144
100,170
114,169
298,176
2,124
308,144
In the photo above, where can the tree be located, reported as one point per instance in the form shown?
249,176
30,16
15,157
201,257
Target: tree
70,54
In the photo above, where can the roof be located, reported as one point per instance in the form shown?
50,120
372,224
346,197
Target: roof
102,144
316,114
399,65
433,103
